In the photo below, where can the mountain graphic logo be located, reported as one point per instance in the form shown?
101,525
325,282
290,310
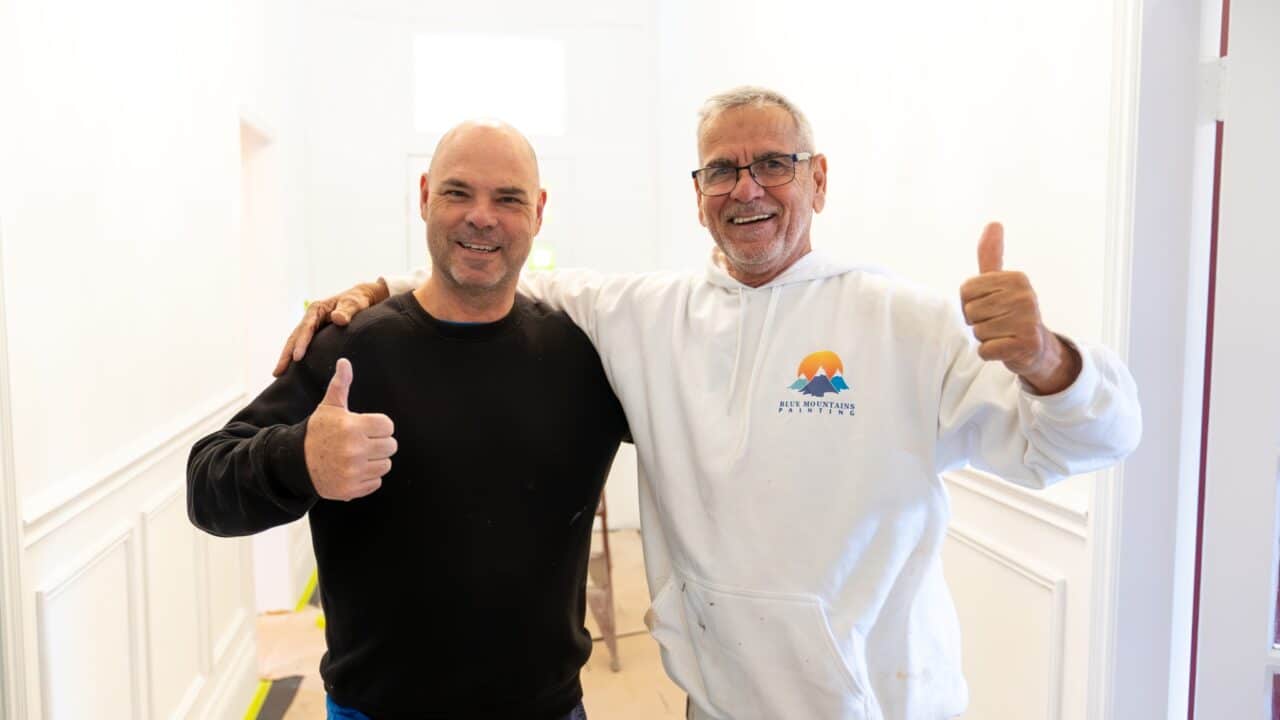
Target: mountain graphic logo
820,373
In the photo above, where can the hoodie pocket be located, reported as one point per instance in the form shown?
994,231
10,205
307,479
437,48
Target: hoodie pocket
760,655
667,625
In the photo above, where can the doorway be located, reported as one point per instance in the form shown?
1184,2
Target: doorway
11,607
1236,651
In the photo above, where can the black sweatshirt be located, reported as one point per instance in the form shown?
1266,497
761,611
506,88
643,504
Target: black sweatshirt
458,588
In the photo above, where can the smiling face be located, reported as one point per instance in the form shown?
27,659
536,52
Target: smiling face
482,205
761,231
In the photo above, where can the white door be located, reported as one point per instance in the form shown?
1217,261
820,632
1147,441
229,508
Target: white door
1236,654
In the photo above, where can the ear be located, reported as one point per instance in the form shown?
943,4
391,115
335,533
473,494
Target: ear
542,203
818,166
422,196
697,197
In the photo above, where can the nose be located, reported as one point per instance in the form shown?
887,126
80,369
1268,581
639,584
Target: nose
745,188
482,216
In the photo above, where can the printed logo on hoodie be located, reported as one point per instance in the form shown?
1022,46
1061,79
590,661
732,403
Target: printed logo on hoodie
820,374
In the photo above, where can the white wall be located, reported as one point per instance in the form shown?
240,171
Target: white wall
269,70
129,317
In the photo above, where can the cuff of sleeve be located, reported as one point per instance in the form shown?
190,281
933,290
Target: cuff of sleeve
287,459
1078,393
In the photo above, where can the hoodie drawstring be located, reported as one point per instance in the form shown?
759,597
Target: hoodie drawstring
761,347
737,353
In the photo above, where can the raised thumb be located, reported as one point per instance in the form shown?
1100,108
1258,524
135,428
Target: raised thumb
340,385
991,249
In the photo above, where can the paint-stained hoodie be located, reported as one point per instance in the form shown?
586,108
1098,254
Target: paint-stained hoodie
789,440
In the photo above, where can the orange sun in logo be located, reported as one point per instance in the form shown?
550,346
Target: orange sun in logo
825,359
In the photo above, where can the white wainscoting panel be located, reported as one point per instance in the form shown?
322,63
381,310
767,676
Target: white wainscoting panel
88,659
232,686
1013,614
170,443
227,610
302,557
170,578
1066,511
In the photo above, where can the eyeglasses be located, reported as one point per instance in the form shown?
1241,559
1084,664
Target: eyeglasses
767,172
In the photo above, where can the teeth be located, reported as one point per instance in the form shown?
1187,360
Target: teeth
481,248
751,219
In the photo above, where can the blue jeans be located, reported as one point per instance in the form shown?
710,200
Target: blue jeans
337,712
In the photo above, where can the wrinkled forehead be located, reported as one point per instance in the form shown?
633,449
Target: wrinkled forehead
743,133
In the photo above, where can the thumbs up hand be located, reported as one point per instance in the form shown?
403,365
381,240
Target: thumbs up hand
347,453
1003,310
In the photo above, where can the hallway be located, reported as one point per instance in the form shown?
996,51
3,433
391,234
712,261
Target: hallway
290,646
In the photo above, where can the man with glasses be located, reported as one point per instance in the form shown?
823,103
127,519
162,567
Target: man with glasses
791,417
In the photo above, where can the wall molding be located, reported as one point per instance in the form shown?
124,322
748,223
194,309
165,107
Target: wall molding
237,678
124,539
1034,504
204,612
159,502
192,695
228,635
301,558
83,491
13,676
1122,169
1053,582
149,512
221,643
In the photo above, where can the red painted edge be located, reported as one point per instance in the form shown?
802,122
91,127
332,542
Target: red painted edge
1204,418
1208,375
1226,25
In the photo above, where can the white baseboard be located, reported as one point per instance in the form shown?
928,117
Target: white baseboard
235,684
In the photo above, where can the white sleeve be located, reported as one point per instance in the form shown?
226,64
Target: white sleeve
576,292
583,295
988,418
404,283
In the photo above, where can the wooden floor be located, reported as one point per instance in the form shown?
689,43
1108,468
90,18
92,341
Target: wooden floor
290,644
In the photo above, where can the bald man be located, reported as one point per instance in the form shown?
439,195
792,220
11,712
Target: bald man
450,509
792,416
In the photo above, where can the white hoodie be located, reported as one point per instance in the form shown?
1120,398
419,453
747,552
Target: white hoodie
791,509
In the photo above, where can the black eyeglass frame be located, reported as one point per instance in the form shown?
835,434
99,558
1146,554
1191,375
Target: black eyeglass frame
796,158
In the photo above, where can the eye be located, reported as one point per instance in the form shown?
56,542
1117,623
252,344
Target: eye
719,174
453,193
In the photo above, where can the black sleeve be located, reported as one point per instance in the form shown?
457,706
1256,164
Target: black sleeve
252,474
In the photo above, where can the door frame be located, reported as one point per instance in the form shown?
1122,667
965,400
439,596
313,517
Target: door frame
12,654
1143,517
1236,578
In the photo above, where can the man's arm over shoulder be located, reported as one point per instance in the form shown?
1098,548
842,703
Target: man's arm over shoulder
591,299
341,309
574,292
597,301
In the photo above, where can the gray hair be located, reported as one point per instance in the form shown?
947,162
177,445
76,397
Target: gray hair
750,95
